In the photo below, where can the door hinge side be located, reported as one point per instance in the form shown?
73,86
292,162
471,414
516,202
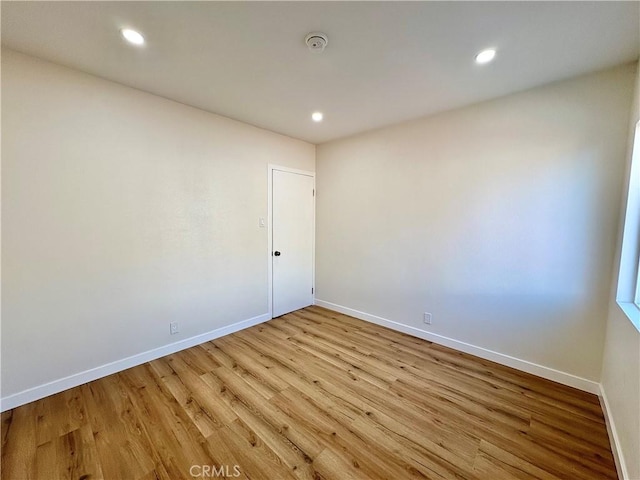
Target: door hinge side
312,290
314,192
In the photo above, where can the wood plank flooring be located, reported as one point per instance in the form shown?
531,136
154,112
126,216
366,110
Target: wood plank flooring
311,395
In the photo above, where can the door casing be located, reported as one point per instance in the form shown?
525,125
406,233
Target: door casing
270,169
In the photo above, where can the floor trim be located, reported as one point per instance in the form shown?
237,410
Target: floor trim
56,386
614,440
517,363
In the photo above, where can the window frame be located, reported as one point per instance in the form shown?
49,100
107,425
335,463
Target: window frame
628,290
637,299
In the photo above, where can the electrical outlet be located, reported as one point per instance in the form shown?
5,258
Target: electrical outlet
173,328
427,318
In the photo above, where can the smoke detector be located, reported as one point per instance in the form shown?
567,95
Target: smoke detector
316,41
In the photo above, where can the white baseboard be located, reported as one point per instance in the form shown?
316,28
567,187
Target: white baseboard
507,360
56,386
616,448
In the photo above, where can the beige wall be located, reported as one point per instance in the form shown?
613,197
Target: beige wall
621,366
122,212
500,219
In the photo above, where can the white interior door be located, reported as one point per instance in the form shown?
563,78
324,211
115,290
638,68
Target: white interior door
292,241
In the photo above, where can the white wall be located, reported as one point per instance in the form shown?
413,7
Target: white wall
123,211
621,365
500,219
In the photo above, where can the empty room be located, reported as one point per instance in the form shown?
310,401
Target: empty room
320,240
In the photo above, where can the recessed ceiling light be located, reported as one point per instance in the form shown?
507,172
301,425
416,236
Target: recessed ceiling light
317,116
132,36
486,56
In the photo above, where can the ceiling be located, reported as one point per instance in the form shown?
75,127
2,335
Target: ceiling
385,62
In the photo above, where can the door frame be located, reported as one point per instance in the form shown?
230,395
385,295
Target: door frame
270,168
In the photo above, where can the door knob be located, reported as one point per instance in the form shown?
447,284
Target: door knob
276,253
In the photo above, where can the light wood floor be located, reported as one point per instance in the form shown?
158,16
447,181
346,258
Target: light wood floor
311,395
